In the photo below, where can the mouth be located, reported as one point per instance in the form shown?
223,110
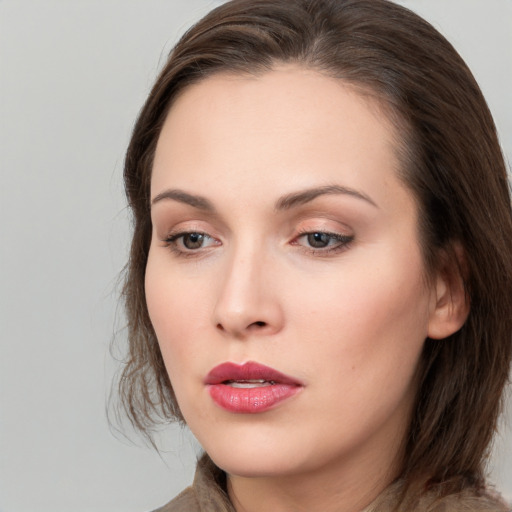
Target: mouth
249,388
249,384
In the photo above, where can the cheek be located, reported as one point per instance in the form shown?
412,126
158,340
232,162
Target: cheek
372,321
174,311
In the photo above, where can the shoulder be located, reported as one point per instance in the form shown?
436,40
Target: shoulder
469,502
185,502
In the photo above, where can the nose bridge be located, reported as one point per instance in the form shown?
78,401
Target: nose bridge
246,301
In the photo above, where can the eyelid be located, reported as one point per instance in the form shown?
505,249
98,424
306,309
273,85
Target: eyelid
169,227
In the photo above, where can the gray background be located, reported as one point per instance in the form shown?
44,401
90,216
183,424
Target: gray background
73,75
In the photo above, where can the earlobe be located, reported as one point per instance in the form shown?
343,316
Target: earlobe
450,302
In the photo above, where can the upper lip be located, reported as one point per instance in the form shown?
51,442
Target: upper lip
248,371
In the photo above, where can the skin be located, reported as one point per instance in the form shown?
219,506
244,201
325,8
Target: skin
348,320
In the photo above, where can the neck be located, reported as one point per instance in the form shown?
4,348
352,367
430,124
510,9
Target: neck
341,487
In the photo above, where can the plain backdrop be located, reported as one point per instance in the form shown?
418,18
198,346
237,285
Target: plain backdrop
73,75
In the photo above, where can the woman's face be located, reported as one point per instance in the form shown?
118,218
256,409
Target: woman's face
283,238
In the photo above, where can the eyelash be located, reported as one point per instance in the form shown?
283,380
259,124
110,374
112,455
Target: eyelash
172,243
342,243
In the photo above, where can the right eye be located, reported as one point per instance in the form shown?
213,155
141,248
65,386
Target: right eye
189,241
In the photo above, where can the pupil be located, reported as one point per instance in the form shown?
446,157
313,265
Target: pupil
193,240
318,240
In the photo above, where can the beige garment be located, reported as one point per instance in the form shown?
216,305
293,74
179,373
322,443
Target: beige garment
207,494
469,500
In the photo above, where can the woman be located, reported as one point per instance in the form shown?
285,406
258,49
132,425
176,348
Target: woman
319,281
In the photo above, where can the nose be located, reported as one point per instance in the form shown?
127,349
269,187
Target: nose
248,300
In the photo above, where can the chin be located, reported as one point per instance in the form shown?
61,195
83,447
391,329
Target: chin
254,466
258,455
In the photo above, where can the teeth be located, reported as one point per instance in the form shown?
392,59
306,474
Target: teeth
255,383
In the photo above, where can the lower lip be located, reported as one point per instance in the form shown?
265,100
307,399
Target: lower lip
251,400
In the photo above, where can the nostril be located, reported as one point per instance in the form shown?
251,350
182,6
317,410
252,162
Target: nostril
254,325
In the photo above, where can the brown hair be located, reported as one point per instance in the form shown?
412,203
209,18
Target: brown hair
451,160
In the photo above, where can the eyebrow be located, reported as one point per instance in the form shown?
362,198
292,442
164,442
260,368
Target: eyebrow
195,201
284,203
305,196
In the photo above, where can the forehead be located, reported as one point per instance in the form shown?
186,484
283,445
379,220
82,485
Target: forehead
287,124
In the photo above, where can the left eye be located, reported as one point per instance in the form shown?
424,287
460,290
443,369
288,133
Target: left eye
322,240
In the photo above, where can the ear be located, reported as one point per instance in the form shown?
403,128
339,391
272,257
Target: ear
449,307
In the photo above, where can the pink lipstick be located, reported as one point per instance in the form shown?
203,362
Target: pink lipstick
249,388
